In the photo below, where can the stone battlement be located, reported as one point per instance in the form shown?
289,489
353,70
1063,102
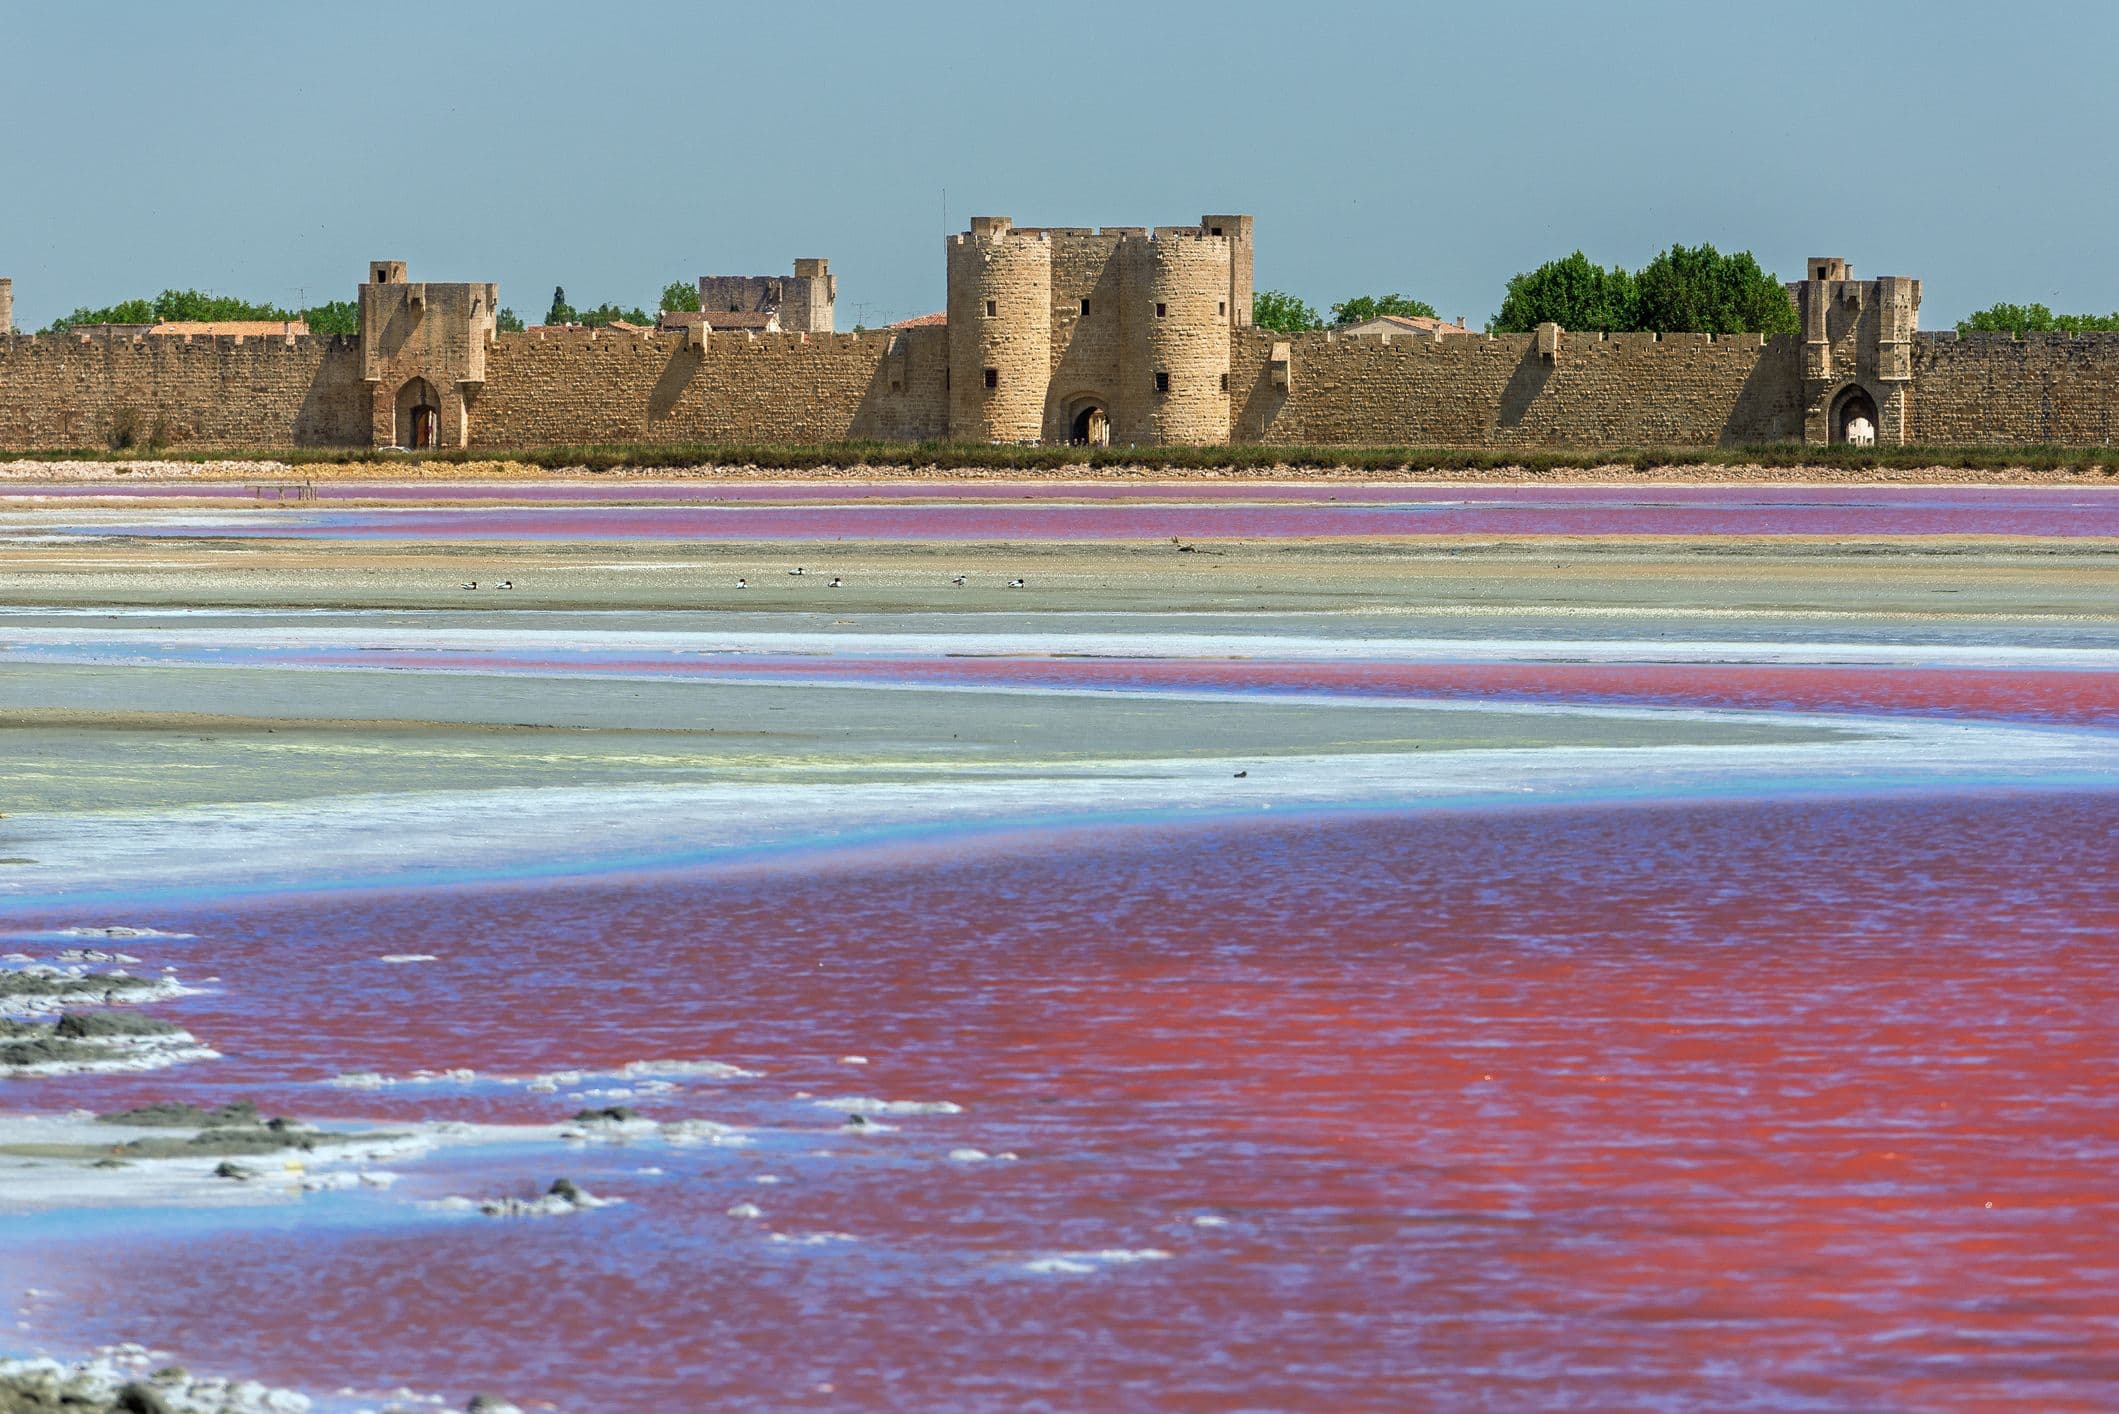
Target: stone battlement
1124,334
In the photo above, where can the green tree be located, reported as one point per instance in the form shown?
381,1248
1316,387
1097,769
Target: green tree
678,294
605,315
1277,309
508,322
1698,290
2021,319
196,306
561,312
340,316
170,306
132,311
1365,307
1574,293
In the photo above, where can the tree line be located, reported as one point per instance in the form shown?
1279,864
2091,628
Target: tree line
1686,289
197,306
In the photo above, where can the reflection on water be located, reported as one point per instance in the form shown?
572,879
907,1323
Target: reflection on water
1782,1104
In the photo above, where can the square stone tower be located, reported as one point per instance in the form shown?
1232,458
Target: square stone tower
1857,354
7,306
804,301
423,356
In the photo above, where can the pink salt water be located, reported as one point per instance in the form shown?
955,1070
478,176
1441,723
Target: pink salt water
1786,1104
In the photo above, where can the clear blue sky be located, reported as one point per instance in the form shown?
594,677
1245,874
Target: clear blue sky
271,150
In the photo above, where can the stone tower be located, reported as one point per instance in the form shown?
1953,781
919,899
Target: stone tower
1173,351
804,301
423,356
7,306
1000,332
1071,334
1857,352
1237,231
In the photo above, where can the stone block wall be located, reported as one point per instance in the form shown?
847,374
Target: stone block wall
569,387
1620,390
63,391
572,387
1993,389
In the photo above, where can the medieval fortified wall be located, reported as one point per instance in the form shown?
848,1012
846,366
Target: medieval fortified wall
1123,335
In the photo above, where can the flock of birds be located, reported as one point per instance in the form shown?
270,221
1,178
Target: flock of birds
839,583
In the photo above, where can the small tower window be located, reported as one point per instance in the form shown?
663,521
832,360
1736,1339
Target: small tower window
1161,310
1225,382
992,308
1221,307
1085,309
993,378
1215,231
1162,381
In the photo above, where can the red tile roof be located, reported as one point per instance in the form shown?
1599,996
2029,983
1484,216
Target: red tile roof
1420,323
924,321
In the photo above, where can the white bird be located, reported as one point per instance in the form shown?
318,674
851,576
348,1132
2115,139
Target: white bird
742,584
798,570
505,584
958,580
1015,584
470,584
836,582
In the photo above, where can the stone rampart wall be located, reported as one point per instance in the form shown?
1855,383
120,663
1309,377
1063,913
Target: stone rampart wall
577,386
572,387
1992,389
1621,390
60,391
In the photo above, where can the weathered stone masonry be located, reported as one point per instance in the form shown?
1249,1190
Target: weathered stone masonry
1054,334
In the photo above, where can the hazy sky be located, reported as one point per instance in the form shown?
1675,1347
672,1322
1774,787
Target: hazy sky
271,150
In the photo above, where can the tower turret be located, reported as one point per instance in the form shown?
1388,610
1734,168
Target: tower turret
1000,332
1174,338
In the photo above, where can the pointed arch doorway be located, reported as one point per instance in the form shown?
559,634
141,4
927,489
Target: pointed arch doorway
418,416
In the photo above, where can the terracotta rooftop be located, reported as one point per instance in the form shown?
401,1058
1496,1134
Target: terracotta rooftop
924,321
249,328
678,318
1420,324
742,319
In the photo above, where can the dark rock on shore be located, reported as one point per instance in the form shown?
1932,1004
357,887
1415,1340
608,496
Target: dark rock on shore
94,1025
176,1114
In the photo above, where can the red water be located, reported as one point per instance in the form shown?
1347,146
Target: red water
1795,1104
1205,511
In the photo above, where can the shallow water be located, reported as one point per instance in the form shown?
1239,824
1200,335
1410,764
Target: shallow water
1317,1010
1786,1104
1093,511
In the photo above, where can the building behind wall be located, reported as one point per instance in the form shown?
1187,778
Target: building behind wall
802,303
